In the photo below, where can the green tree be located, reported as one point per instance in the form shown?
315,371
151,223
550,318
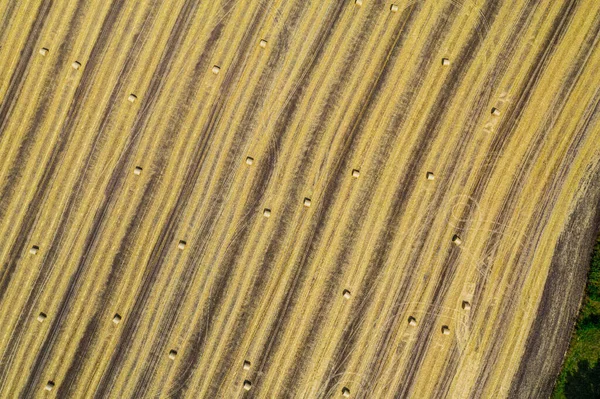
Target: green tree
584,383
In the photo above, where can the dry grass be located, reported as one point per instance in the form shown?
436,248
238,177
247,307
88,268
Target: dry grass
108,167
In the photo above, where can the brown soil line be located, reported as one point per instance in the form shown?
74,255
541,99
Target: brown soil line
551,332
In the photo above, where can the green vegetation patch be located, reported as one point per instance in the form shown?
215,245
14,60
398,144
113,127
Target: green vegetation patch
580,377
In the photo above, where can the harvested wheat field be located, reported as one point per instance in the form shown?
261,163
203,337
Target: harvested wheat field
294,199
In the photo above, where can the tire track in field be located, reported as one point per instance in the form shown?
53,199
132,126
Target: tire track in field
526,164
56,155
271,252
116,177
251,204
347,343
76,364
23,152
474,43
43,275
123,256
161,247
450,263
196,258
528,382
232,311
285,220
167,323
495,76
481,100
322,43
19,75
510,122
543,52
15,171
264,175
549,197
6,18
192,354
59,149
396,44
294,193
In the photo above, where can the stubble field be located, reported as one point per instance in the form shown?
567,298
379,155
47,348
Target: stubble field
295,198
